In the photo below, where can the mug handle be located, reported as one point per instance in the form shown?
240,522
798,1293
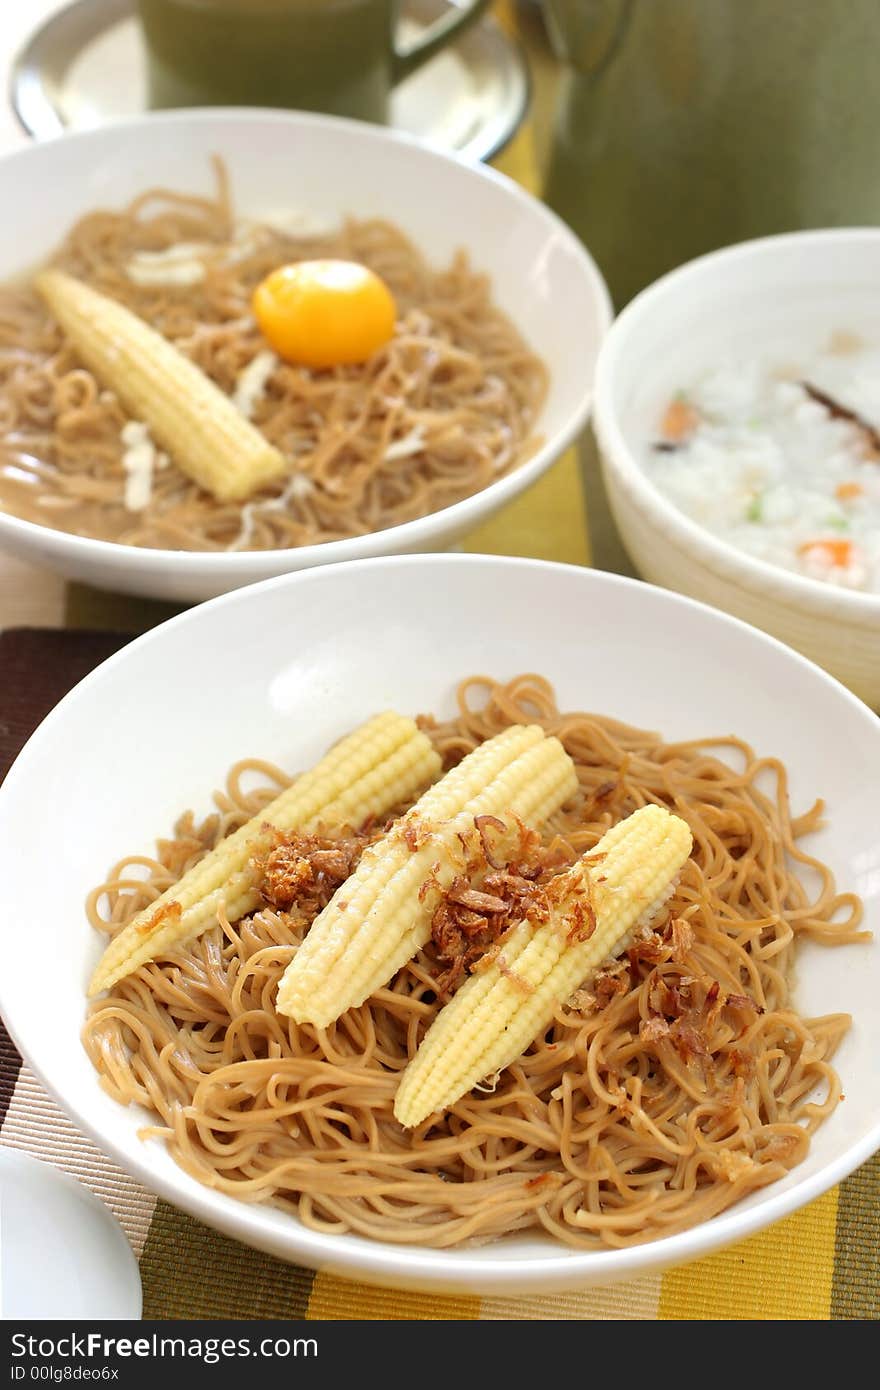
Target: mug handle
437,36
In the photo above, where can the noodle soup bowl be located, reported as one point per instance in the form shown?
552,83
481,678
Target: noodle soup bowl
772,295
324,168
137,742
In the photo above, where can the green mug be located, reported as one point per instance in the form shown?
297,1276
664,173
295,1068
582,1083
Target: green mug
339,56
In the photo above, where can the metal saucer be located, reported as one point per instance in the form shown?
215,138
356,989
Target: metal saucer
85,66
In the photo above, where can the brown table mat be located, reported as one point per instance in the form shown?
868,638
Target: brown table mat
37,667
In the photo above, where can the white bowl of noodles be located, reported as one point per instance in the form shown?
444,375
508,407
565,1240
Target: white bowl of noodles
141,736
479,391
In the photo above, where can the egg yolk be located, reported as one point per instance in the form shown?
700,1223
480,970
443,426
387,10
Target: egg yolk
324,313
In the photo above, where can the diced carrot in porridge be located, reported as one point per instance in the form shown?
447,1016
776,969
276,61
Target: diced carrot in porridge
679,421
834,551
848,492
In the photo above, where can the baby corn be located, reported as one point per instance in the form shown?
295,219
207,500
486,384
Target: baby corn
380,917
386,761
190,417
496,1014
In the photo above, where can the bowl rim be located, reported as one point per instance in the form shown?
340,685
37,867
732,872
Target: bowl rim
384,1262
458,516
757,576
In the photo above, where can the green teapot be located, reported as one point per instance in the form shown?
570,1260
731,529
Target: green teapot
684,125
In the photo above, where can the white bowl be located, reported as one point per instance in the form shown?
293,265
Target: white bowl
64,1253
779,291
315,653
541,275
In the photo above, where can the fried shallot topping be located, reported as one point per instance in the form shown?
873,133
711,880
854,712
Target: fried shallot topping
609,983
192,840
304,871
690,1011
479,908
416,833
582,1002
169,913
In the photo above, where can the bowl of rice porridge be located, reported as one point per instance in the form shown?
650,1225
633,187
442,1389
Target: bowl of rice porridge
738,417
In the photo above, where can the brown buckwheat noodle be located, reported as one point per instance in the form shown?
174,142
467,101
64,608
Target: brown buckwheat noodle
623,1123
446,408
